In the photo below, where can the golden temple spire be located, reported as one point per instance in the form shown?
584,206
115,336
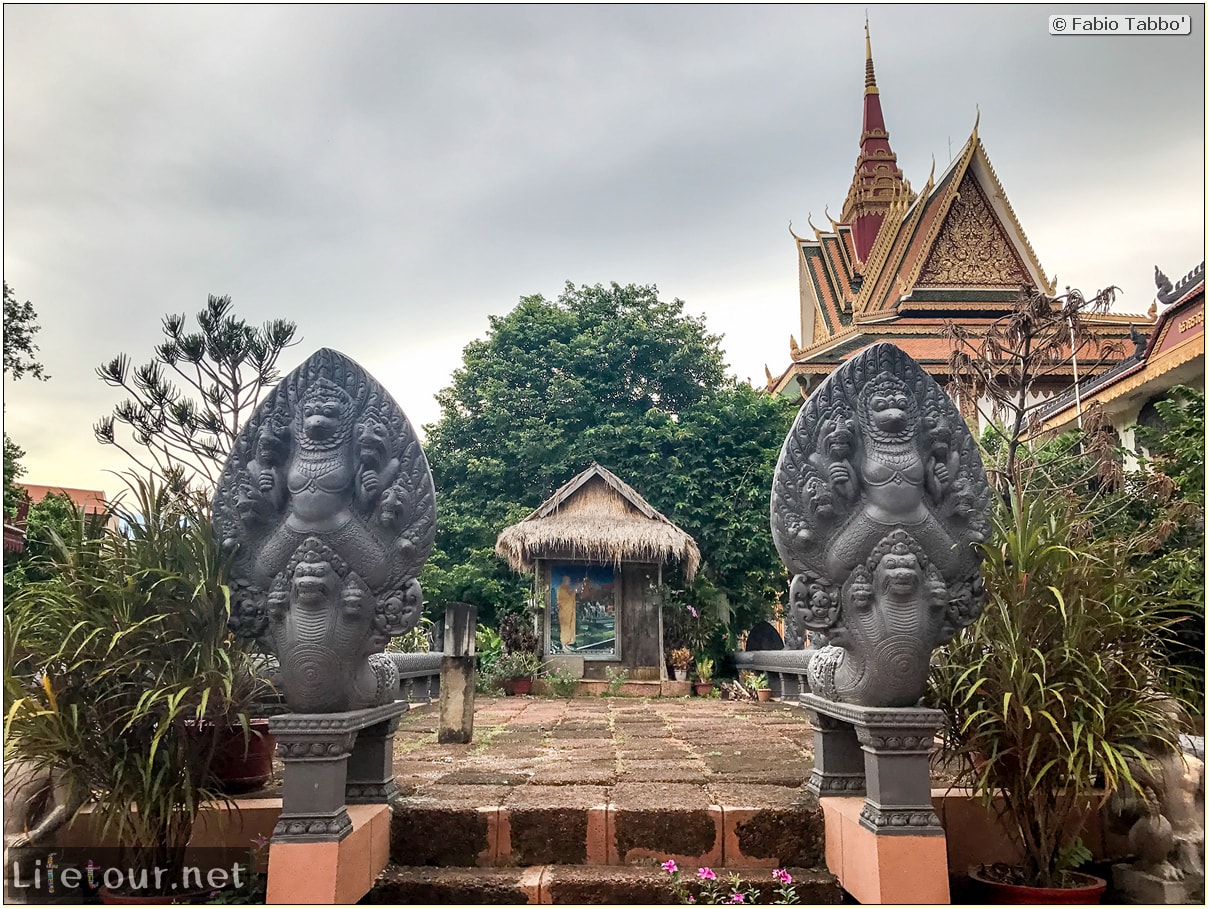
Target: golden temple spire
870,79
877,180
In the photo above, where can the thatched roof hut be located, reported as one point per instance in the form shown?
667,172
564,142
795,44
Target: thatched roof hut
596,517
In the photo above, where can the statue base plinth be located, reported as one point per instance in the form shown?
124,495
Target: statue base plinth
1143,888
881,753
333,760
910,868
331,873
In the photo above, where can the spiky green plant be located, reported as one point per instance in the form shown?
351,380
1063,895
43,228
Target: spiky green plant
1060,682
112,664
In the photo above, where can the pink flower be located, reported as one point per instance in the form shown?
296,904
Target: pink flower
669,866
736,897
706,874
783,876
692,610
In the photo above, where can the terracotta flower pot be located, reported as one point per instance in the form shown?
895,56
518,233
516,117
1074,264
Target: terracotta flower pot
703,688
244,765
1087,891
239,765
764,694
518,686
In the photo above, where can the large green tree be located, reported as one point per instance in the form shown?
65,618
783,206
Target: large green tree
617,376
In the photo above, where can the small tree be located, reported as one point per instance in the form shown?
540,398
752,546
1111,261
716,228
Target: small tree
20,326
228,364
1028,345
1174,474
14,495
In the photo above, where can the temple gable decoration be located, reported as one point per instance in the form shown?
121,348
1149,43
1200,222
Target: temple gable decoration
972,248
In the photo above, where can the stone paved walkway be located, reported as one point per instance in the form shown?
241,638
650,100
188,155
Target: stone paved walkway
678,752
609,782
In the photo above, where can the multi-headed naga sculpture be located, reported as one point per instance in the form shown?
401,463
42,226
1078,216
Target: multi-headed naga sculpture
328,504
878,499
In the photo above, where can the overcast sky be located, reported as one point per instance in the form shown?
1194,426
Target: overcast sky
390,176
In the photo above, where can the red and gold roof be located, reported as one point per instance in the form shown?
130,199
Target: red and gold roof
956,252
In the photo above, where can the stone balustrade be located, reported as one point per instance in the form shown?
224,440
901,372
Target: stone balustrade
419,676
786,670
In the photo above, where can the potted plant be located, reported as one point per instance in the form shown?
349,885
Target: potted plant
516,670
705,676
114,664
758,682
681,658
1050,695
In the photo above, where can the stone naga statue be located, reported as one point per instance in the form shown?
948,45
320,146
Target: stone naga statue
327,504
878,499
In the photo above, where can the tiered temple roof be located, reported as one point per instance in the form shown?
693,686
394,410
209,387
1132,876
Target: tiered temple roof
899,265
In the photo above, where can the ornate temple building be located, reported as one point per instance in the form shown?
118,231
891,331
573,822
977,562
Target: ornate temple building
899,264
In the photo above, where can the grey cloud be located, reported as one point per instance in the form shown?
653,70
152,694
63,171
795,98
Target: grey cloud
389,175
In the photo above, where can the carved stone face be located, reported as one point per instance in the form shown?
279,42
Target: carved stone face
246,505
898,574
890,412
372,446
314,582
321,417
839,444
390,512
861,594
819,498
269,446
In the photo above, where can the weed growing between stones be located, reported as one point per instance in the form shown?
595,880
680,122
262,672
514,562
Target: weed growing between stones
560,680
617,678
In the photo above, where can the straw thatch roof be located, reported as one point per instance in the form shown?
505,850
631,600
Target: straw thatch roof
595,517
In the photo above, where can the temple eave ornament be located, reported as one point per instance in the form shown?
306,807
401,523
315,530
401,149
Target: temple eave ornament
878,500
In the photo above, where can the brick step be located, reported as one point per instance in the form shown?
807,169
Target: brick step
784,832
574,885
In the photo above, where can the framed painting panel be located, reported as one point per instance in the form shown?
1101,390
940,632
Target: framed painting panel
583,602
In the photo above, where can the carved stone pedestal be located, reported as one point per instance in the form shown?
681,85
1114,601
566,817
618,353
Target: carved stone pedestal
333,760
880,753
1143,888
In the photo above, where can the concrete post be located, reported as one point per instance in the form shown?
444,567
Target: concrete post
457,675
